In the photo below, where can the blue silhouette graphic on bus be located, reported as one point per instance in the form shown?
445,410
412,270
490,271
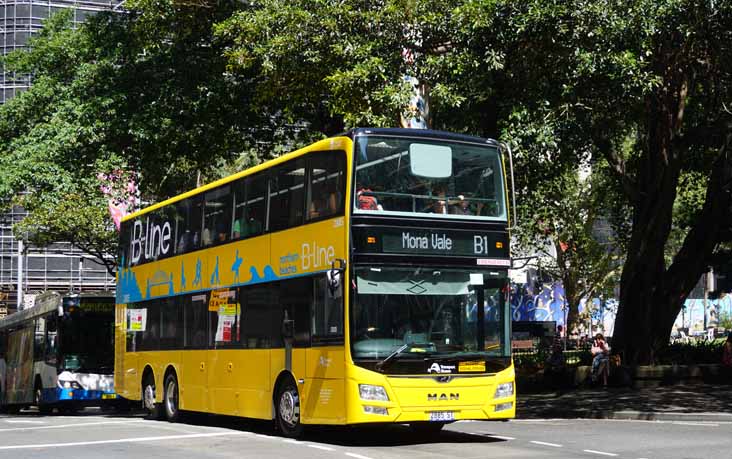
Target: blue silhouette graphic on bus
269,275
197,278
158,279
235,267
215,280
128,291
182,276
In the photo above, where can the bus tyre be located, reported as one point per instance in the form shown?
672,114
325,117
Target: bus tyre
170,398
154,410
287,407
43,408
426,428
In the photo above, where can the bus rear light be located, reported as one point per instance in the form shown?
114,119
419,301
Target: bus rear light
371,240
499,245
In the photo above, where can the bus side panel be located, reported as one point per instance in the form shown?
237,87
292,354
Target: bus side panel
298,370
130,376
221,377
49,377
253,383
120,346
193,380
20,367
323,391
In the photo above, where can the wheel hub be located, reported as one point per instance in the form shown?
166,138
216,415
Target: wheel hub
289,409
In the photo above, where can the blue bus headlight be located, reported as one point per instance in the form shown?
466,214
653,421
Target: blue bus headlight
504,390
369,392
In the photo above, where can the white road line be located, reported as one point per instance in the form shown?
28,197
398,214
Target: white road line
81,424
23,421
325,448
290,440
357,456
121,440
500,437
602,453
268,437
703,424
545,443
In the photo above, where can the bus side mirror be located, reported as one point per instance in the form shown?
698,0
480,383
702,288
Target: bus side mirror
337,268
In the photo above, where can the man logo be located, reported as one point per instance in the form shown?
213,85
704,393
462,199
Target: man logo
442,397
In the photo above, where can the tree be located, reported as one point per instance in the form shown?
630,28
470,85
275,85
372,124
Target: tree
145,91
645,83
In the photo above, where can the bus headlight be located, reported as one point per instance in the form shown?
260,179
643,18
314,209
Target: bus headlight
369,392
504,390
69,385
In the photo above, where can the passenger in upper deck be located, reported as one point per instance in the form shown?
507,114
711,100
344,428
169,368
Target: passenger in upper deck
461,207
365,200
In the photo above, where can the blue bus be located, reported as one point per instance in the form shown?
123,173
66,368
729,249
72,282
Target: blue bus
58,354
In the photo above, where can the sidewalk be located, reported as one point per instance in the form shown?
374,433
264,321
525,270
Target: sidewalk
698,402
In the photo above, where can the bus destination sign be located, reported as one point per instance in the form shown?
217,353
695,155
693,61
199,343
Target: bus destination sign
440,242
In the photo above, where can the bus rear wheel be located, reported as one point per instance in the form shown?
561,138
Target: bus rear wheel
170,399
287,406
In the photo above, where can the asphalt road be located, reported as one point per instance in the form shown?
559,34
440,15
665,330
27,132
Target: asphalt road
92,434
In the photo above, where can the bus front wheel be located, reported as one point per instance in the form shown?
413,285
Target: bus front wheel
43,408
288,409
170,400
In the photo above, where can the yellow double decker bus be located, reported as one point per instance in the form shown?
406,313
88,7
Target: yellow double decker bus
362,279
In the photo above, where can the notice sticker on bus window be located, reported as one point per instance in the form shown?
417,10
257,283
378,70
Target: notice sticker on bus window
476,279
137,320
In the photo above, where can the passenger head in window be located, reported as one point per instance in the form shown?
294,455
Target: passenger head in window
365,199
439,203
461,207
222,231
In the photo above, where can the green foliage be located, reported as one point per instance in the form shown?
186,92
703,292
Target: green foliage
691,353
146,91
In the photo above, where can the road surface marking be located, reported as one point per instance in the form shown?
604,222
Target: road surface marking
290,440
23,421
325,448
121,440
499,437
703,424
545,443
63,426
357,456
602,453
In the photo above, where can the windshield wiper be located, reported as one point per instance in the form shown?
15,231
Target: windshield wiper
399,350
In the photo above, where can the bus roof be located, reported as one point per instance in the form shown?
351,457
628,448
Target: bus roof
332,143
421,133
329,143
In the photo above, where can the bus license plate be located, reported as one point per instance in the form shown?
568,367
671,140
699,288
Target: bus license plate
442,415
108,396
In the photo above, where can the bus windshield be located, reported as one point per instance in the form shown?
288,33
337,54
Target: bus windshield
446,179
86,341
433,312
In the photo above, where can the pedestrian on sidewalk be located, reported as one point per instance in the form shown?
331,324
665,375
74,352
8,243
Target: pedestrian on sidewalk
600,360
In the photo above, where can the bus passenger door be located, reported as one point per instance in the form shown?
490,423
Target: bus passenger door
193,377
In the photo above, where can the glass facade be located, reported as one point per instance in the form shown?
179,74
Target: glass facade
20,19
